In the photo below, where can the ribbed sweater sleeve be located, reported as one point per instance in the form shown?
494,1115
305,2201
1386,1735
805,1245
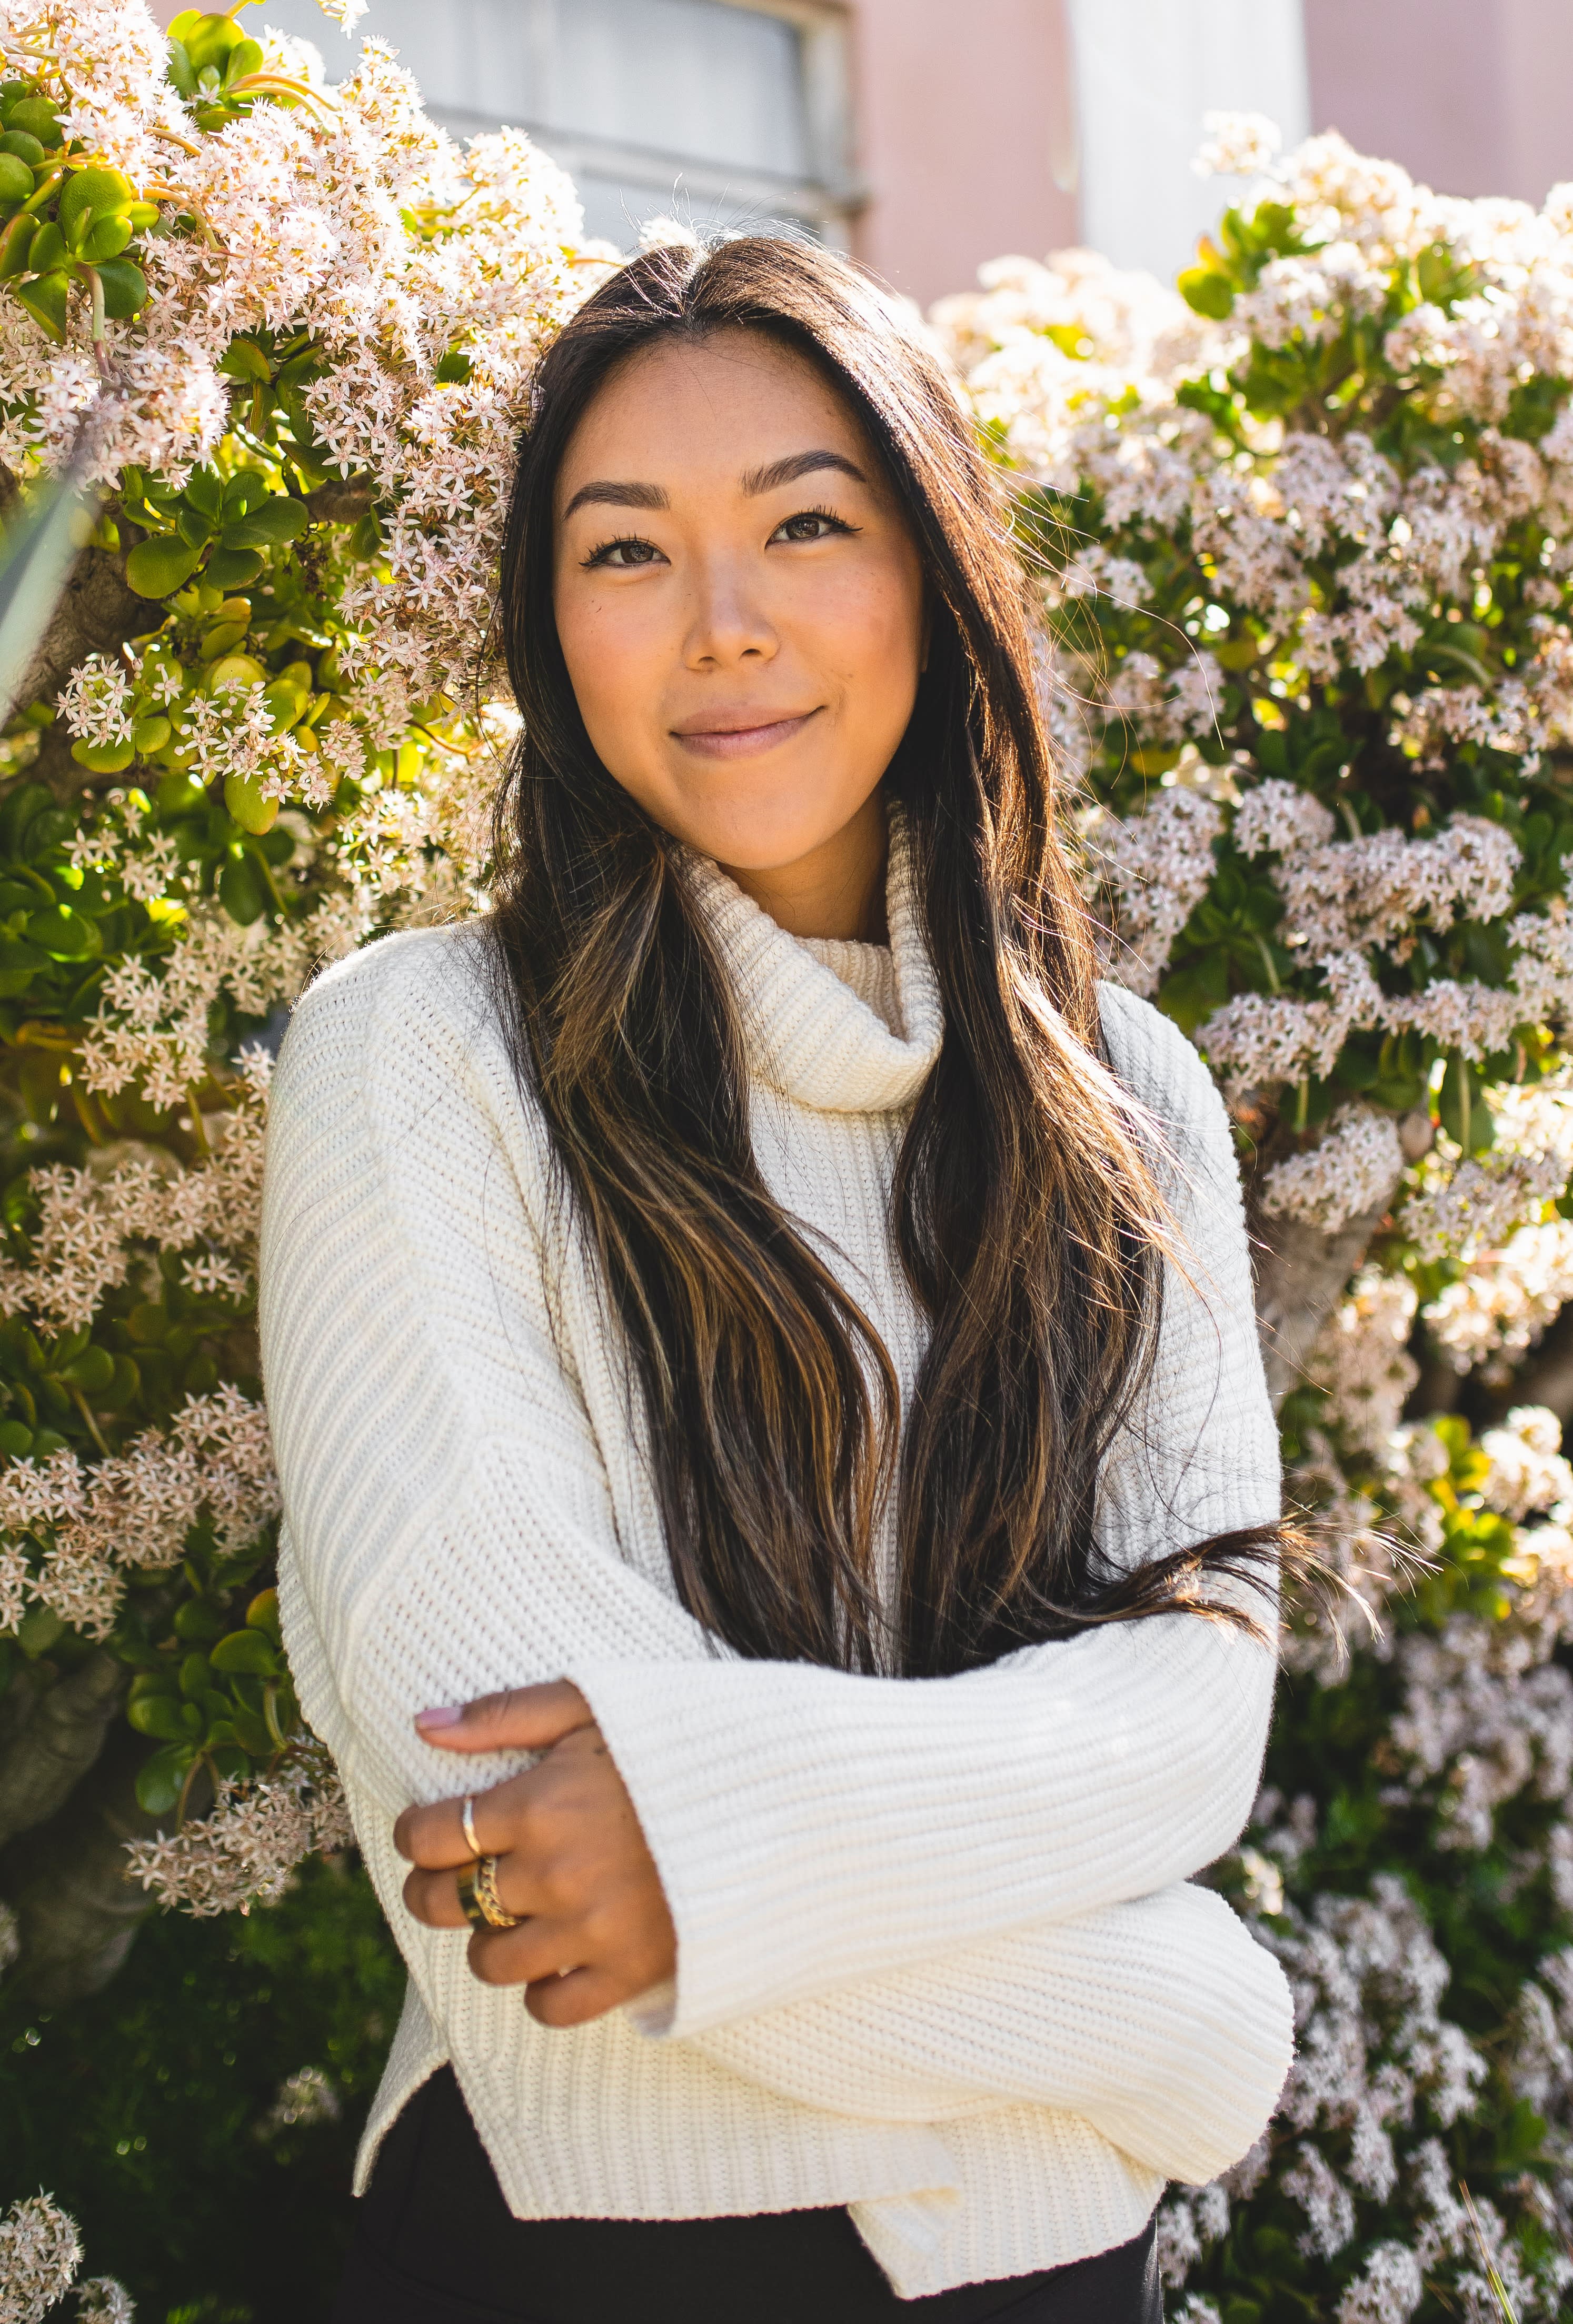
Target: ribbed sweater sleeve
1162,2021
814,1828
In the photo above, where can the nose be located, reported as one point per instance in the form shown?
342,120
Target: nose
728,621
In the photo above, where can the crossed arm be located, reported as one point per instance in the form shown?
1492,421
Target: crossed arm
1159,2021
890,1898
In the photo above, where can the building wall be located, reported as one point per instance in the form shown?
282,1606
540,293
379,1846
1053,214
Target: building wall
1473,97
964,134
966,137
964,111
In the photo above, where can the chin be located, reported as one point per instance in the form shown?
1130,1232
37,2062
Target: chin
755,843
757,833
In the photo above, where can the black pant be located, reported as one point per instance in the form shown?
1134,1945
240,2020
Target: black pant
436,2244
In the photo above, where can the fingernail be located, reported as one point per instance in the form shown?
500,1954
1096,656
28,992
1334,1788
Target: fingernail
444,1715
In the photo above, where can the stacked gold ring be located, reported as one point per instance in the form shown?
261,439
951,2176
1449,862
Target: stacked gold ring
482,1906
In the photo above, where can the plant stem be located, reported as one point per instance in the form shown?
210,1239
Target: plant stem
199,1128
80,1401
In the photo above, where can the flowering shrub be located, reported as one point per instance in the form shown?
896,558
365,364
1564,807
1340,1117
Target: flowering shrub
1303,533
288,329
1303,537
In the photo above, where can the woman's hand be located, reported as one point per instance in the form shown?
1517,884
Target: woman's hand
570,1858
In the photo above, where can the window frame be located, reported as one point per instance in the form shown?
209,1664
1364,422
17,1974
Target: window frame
830,194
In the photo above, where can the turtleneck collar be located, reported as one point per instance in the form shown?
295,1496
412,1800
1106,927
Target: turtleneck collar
809,1034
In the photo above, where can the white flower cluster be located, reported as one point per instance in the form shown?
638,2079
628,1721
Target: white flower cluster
94,702
151,1026
232,732
1280,818
1257,1041
1529,1475
70,1533
1388,2289
1483,1712
1186,2225
1353,1168
1380,2069
426,277
1498,1311
303,232
1362,1360
1309,294
1076,310
1375,891
102,2300
1237,145
91,1222
1542,2061
1368,1978
40,2253
1161,863
1461,1206
495,286
246,1851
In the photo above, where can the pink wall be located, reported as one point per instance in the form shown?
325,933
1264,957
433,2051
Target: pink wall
1473,97
964,112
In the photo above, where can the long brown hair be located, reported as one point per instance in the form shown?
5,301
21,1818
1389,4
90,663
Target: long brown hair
1025,1207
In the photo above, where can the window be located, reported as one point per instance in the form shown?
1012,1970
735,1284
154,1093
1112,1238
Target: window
713,112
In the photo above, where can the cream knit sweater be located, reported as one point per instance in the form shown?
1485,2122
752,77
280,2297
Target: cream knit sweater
937,1957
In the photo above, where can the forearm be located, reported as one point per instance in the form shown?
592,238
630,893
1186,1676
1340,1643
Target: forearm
814,1830
1162,2022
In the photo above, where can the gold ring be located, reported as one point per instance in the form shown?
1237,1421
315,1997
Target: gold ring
484,1883
467,1817
469,1903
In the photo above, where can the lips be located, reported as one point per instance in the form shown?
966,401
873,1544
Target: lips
739,736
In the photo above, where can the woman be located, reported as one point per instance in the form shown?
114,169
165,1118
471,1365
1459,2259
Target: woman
734,1330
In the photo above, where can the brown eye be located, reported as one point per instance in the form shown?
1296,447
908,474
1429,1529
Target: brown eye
810,524
620,555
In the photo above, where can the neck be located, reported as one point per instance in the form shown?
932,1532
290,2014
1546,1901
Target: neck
837,889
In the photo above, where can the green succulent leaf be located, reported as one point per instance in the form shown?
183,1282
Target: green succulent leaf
158,567
1206,292
15,179
233,568
64,935
124,287
269,526
249,1651
161,1779
163,1716
45,299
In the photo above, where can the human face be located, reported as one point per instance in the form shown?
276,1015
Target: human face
740,605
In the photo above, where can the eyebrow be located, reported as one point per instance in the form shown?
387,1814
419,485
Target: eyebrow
608,493
796,465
